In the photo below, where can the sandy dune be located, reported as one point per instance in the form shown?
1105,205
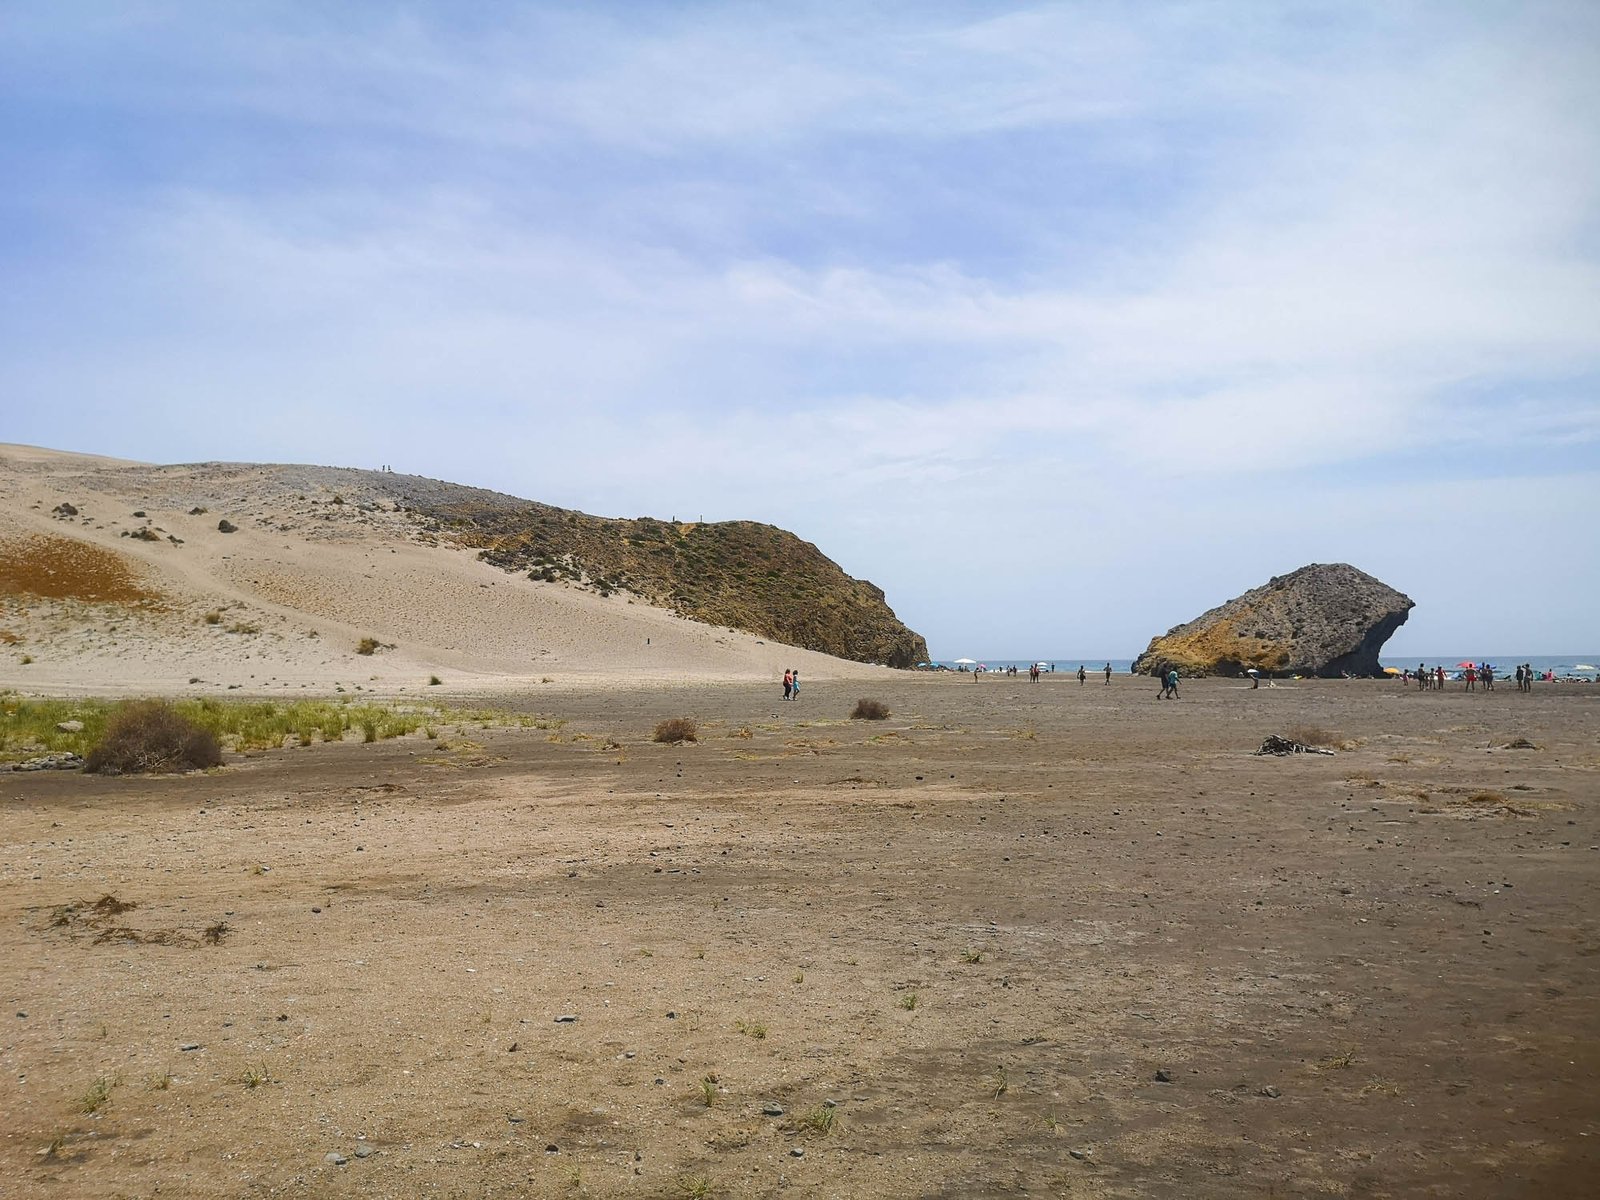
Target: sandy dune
320,560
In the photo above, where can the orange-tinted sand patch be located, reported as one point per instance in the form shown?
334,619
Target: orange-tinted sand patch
59,568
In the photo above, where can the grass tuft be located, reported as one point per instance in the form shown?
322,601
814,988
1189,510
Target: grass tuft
870,710
820,1120
98,1095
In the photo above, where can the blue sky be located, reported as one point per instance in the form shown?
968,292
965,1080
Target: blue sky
1060,322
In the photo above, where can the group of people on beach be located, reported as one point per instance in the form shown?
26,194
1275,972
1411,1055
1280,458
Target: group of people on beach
791,684
1432,679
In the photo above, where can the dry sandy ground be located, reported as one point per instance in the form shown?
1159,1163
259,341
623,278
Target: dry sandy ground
1375,974
319,561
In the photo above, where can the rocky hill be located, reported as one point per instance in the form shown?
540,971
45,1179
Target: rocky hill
1324,619
742,574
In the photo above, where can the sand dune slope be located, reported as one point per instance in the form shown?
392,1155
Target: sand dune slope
106,599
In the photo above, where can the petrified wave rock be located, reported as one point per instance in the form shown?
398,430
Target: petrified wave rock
1325,619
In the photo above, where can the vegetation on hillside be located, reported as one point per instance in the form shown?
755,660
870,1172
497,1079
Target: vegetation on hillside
742,574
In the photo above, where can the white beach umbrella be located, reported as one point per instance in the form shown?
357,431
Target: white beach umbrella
966,662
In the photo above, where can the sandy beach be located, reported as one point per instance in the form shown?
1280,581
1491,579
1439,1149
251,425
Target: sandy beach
1017,939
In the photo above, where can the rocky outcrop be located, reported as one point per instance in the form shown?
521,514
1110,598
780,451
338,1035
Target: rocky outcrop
1326,619
742,574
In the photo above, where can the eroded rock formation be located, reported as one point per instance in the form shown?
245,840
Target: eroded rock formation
1326,619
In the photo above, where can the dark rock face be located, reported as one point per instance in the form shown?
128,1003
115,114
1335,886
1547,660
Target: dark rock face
1326,619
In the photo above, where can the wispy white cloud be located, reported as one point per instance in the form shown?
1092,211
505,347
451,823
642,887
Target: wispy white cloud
1067,282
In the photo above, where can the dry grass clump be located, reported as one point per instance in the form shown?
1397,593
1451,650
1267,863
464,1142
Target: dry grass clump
59,568
368,645
1313,735
676,729
152,736
870,710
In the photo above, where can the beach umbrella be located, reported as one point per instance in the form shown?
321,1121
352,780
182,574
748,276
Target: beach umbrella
1467,664
966,662
1391,670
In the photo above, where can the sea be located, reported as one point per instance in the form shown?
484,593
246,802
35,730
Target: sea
1576,666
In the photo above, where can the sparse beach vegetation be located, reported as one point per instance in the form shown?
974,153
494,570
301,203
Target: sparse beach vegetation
33,727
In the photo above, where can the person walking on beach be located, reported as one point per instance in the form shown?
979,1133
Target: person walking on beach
1170,687
794,684
1108,674
788,683
1438,677
1033,673
1082,675
1424,680
1472,679
1486,673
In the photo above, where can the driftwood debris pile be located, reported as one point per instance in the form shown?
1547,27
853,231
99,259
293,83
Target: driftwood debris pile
1282,745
